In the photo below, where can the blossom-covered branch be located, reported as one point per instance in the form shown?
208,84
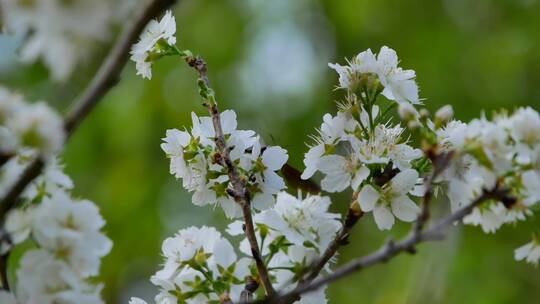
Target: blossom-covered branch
239,190
389,250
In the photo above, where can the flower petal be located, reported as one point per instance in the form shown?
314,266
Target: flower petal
383,217
404,181
274,157
359,177
405,209
367,198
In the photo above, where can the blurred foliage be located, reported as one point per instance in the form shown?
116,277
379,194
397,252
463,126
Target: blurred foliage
474,55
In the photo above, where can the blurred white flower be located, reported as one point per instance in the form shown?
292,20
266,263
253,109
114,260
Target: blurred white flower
134,300
524,129
44,279
444,114
71,230
60,33
18,225
489,217
37,126
529,252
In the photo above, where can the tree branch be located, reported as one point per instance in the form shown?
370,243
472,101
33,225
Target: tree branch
106,77
389,250
239,191
108,74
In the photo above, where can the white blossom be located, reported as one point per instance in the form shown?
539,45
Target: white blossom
264,165
524,129
399,84
148,44
71,230
347,147
384,146
529,252
391,200
44,279
18,225
490,217
198,255
293,234
332,131
134,300
24,125
407,112
67,232
341,172
37,126
444,114
302,221
531,184
195,159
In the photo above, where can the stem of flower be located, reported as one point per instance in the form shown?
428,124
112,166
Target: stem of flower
239,191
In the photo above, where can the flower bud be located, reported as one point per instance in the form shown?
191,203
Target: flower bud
444,114
413,124
424,113
407,112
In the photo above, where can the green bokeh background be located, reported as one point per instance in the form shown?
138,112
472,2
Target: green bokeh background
474,55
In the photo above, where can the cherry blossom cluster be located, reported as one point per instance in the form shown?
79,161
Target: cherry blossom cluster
196,162
361,148
200,266
351,153
155,41
60,33
504,150
28,128
68,238
292,235
366,71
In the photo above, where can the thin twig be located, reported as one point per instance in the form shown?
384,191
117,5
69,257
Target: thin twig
106,77
439,161
239,191
341,238
389,250
28,175
354,213
108,74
